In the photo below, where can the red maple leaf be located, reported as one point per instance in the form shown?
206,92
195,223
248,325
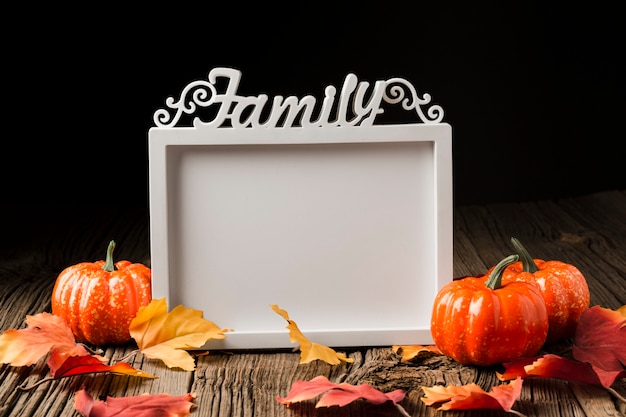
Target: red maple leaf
337,394
88,364
136,406
600,339
599,353
554,366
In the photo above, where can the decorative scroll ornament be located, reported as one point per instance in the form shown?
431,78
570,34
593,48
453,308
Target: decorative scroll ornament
355,106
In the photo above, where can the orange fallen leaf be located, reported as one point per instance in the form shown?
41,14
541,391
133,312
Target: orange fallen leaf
26,346
167,336
410,352
600,339
310,351
48,334
472,397
338,394
517,368
136,406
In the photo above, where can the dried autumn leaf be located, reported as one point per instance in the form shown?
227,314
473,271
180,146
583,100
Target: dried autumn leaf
26,346
411,352
598,351
554,366
600,339
50,334
517,368
472,397
310,351
137,406
166,336
337,394
57,361
80,365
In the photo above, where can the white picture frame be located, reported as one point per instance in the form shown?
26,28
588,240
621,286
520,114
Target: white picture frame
345,224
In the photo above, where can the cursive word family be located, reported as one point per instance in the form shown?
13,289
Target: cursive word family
355,105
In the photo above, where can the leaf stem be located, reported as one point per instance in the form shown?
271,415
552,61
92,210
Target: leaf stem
402,410
36,384
616,395
96,351
128,356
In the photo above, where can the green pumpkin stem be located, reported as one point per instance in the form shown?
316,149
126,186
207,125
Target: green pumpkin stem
109,265
495,278
528,263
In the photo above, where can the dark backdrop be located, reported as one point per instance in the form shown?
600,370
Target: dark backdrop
534,93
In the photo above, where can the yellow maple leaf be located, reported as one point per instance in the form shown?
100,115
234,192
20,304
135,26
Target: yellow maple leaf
310,351
410,352
166,336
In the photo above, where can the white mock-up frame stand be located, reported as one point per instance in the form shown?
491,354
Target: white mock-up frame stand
345,224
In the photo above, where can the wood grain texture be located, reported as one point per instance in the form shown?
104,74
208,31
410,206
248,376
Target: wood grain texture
587,231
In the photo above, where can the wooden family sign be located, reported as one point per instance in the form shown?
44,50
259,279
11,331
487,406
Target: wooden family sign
309,205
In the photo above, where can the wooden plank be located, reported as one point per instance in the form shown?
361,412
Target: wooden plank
587,231
595,401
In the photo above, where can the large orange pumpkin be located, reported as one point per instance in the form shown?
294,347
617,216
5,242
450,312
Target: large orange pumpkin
99,299
480,321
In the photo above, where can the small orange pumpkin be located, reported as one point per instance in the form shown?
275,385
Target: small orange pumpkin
99,299
562,285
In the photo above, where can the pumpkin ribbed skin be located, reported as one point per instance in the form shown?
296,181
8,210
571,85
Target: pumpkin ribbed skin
99,305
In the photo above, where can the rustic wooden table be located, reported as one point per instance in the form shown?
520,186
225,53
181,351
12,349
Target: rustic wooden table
587,231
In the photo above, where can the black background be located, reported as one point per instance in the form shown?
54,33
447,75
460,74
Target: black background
534,92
